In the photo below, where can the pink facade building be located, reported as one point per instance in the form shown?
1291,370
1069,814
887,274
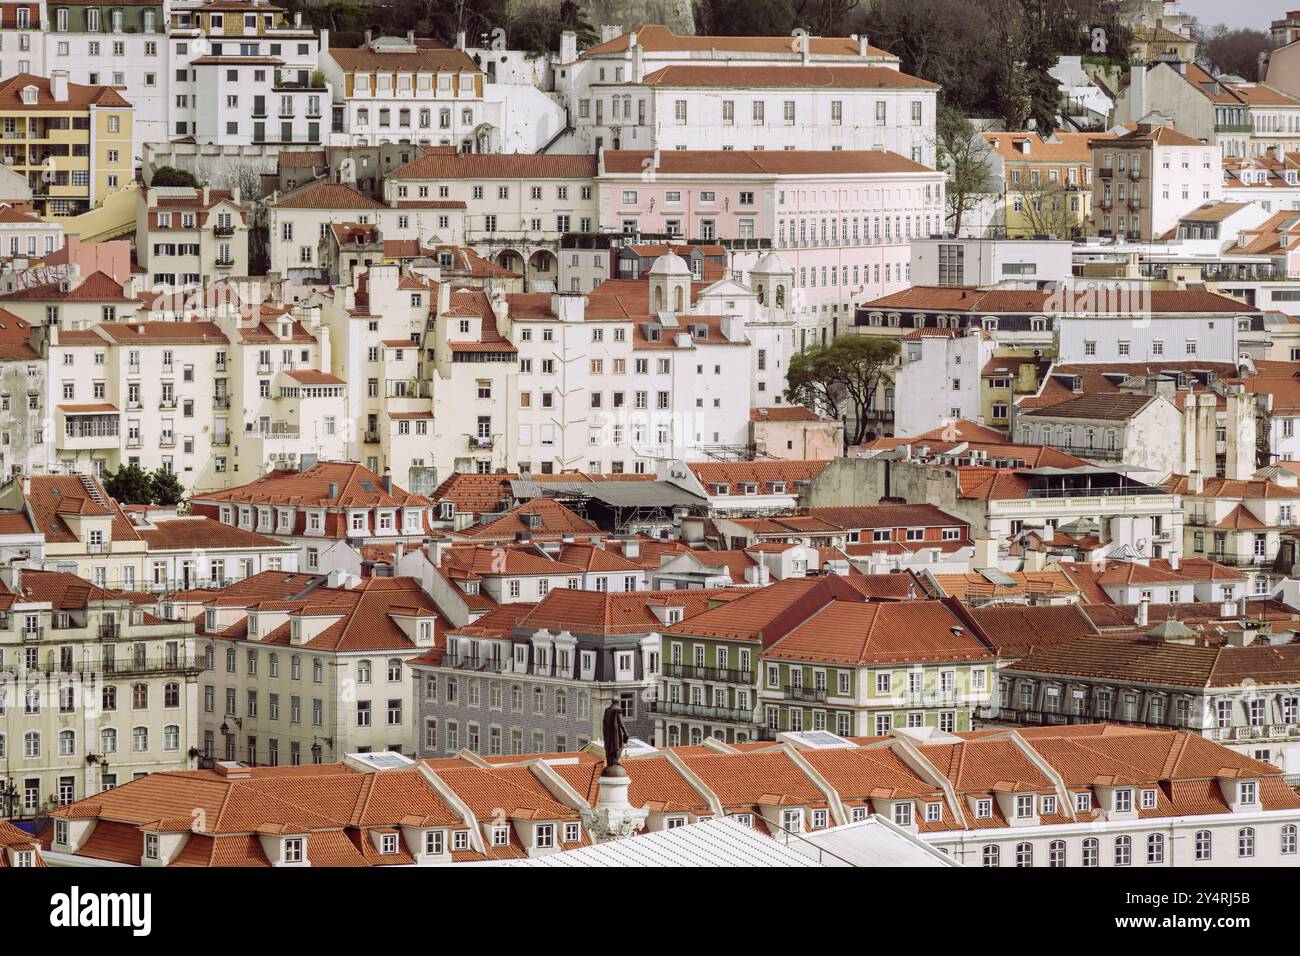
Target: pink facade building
841,219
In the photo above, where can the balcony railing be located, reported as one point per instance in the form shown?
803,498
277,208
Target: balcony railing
473,662
812,694
372,438
224,231
672,708
221,438
36,634
220,401
225,262
1091,451
700,672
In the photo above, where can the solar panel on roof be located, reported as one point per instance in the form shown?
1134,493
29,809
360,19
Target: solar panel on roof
384,760
997,577
635,747
367,485
816,739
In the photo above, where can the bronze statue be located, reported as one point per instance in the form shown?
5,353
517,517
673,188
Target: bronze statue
615,735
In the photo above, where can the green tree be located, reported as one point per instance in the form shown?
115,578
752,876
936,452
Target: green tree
171,176
166,488
130,485
964,156
842,378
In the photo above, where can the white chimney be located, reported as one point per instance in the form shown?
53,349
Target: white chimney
1137,105
1143,616
59,85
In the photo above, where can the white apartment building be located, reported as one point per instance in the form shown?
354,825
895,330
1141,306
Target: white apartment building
404,90
517,207
245,75
185,236
22,37
24,234
299,218
652,89
123,46
611,382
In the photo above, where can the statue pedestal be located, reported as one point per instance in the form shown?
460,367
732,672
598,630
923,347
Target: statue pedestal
613,818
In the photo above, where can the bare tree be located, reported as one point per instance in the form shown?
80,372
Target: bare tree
1046,210
964,156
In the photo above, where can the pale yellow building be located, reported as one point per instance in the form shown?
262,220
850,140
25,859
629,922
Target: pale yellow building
72,142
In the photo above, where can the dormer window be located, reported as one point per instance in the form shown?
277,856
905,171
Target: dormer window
29,95
151,846
1148,799
544,836
1247,792
1024,806
388,843
1048,805
792,820
572,833
983,809
500,836
460,840
903,814
291,850
1123,801
209,621
1082,802
933,812
435,842
819,819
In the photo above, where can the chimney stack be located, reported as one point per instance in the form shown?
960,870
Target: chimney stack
59,86
1143,612
387,480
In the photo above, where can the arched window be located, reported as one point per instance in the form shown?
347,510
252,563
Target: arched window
140,739
1156,848
139,696
317,670
674,736
1123,850
780,296
659,299
1288,847
1204,844
1091,852
1246,842
31,744
990,855
363,672
760,292
678,303
171,737
1056,853
1024,854
426,118
394,668
172,695
108,740
385,116
109,697
67,743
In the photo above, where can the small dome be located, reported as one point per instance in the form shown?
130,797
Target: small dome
770,263
670,264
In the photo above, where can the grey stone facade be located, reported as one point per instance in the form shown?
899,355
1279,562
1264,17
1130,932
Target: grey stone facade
518,700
